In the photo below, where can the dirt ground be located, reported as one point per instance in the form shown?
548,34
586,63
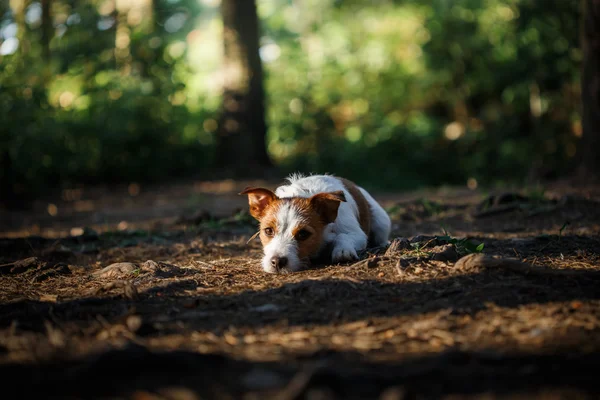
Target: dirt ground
156,293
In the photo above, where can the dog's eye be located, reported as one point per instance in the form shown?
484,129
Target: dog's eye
269,232
302,235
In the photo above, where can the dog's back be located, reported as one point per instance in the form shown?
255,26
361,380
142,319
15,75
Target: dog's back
360,205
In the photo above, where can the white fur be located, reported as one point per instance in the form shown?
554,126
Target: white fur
345,233
284,244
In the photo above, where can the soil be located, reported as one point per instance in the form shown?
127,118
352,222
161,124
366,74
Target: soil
156,293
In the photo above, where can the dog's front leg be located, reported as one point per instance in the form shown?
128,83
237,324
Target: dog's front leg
346,246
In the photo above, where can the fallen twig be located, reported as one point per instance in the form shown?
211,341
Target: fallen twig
487,261
253,237
19,265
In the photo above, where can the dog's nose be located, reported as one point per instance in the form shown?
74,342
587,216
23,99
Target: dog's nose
278,262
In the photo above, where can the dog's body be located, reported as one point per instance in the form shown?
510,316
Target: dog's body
313,214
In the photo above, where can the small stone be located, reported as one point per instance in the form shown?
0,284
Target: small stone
150,266
116,270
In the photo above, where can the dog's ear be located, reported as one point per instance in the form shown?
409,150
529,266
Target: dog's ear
258,199
327,204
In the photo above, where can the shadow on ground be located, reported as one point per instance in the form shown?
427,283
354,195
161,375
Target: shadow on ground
134,370
309,302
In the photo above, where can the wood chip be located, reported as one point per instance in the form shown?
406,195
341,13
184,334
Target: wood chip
50,298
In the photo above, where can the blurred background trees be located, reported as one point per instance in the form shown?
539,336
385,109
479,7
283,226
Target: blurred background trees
590,143
241,145
393,94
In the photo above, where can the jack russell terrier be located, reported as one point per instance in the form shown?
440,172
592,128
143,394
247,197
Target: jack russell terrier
316,216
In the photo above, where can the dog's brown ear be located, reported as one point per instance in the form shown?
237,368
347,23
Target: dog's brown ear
258,199
327,204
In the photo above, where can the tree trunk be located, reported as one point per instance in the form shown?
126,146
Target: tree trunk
590,91
241,144
46,29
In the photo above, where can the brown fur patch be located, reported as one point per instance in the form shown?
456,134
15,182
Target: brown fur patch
258,200
316,213
364,211
269,220
311,221
327,204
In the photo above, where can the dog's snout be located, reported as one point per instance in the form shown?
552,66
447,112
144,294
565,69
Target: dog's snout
278,262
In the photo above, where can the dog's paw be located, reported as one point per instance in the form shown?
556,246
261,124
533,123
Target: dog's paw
343,253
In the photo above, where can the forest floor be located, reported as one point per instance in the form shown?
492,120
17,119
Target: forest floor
481,295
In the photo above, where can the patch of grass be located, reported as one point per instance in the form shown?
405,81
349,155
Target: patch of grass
431,207
394,211
463,246
418,249
421,207
243,217
211,224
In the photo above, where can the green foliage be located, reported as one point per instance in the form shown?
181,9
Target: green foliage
394,211
413,93
392,94
84,118
419,249
431,207
463,246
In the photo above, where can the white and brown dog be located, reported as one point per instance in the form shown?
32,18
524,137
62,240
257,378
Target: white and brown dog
314,215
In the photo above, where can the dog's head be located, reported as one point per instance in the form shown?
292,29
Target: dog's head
291,229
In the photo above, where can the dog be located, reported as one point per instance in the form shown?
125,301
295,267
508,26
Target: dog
316,216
